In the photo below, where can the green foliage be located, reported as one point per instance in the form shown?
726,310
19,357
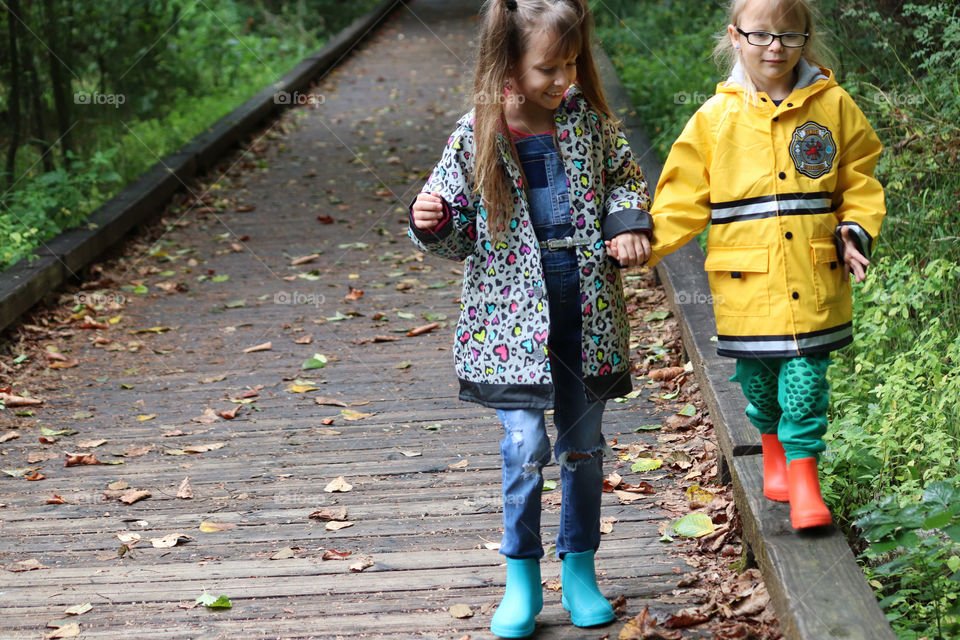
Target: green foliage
169,69
914,558
662,53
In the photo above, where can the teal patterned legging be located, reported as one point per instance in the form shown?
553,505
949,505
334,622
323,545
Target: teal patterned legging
788,397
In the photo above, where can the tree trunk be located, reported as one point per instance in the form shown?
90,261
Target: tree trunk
36,109
59,80
13,20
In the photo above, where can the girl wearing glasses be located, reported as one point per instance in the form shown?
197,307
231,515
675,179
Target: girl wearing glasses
780,164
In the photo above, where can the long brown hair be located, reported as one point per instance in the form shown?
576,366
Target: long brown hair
505,29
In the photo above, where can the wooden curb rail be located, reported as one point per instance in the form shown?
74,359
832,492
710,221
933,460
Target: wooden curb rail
62,258
817,588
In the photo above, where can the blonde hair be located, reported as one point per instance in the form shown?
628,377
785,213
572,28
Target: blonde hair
505,30
803,11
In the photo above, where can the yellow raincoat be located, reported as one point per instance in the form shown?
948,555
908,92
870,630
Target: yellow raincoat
776,182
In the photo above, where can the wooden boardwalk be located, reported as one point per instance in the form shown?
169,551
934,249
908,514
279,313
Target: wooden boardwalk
424,468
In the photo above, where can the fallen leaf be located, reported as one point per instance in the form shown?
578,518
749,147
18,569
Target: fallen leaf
266,346
9,436
411,454
330,401
459,465
119,485
427,328
693,525
56,499
210,527
333,554
336,525
76,459
646,464
30,564
667,373
90,444
79,609
363,563
208,416
683,618
134,496
327,513
626,497
18,401
185,491
338,485
210,602
229,414
203,448
283,554
461,611
350,414
170,540
71,630
307,339
611,482
18,473
355,294
643,627
305,259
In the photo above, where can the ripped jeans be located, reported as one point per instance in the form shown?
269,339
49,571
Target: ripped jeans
579,447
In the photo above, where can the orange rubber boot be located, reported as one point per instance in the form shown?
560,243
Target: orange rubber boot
807,509
774,468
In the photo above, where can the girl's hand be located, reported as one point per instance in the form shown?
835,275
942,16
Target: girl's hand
853,260
629,249
427,211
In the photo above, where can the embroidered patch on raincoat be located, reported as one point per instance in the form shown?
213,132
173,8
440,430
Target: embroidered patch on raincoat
812,149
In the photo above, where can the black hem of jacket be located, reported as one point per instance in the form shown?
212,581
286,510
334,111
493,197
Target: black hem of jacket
793,353
626,220
541,396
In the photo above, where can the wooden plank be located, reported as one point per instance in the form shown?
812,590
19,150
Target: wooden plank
807,573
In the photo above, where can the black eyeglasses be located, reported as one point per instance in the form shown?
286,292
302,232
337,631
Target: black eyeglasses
765,39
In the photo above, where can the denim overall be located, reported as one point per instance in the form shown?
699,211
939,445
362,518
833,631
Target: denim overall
526,446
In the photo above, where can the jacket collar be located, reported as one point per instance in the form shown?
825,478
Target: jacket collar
811,79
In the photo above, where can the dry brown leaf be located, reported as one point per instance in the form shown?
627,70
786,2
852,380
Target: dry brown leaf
462,464
611,482
644,627
9,436
627,497
170,540
56,499
64,365
185,491
338,485
208,416
461,611
426,328
330,401
203,448
18,401
363,563
266,346
230,414
91,444
333,554
336,525
355,294
41,456
30,564
687,617
134,452
134,496
71,630
79,609
667,373
327,513
305,259
119,485
76,459
283,554
307,339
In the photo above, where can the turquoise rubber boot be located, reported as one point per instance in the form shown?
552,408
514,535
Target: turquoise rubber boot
522,599
581,595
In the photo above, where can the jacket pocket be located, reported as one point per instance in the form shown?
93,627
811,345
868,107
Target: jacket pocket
828,280
739,280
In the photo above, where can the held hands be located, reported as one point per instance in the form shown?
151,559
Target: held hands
427,211
631,248
853,260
